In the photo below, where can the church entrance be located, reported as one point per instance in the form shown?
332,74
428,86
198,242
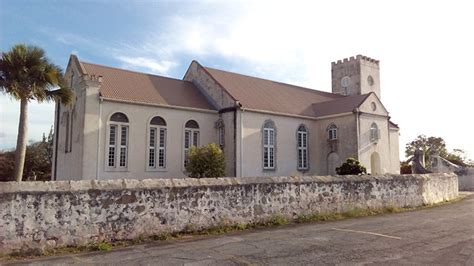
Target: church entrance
375,164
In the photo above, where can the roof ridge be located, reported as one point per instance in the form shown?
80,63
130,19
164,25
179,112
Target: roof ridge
283,83
133,71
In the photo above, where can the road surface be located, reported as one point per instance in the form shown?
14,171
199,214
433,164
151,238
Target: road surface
442,235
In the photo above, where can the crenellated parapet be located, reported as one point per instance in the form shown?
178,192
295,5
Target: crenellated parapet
357,58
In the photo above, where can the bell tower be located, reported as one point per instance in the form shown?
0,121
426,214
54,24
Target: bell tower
355,76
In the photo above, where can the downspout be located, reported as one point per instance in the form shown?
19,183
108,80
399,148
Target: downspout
356,110
389,145
235,141
56,137
98,138
241,138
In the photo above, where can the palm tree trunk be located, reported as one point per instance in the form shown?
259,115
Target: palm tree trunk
20,153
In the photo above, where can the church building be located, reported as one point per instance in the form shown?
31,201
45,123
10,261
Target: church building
126,124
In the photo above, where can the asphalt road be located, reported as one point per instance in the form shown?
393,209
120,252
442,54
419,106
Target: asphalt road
442,235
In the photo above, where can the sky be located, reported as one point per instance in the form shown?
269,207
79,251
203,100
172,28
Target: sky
425,49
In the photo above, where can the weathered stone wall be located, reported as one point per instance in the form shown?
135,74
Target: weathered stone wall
49,214
466,179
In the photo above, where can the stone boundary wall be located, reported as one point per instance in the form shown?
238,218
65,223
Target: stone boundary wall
466,180
39,215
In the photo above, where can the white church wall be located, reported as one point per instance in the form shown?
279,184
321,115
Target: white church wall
331,153
69,160
394,151
139,117
221,99
369,148
373,102
286,144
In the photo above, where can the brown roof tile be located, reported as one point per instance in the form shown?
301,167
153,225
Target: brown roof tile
125,85
341,105
267,95
393,125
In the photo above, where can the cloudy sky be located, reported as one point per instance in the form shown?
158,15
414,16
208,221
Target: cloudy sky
425,49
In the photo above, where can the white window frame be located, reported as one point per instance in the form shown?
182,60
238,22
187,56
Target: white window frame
302,145
221,136
374,132
157,147
332,132
194,140
118,146
268,148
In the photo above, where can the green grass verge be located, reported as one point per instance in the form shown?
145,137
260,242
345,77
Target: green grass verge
221,228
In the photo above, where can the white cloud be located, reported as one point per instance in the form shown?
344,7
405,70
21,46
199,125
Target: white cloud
140,63
424,51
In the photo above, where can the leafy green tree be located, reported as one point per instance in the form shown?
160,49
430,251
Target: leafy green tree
7,165
26,74
429,146
351,167
206,161
458,156
38,160
436,145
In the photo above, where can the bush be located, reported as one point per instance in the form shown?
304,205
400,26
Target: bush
405,168
351,167
206,161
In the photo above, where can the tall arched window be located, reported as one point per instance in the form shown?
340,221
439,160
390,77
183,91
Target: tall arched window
268,145
117,141
191,137
157,143
332,132
374,132
302,142
220,133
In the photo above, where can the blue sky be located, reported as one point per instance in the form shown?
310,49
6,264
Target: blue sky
425,49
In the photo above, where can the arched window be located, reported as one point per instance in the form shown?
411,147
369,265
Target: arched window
268,148
332,132
302,141
191,138
374,132
220,133
117,142
157,143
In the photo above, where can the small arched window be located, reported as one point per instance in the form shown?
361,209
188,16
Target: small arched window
268,148
374,132
302,142
220,133
192,124
157,143
117,141
191,138
332,132
119,117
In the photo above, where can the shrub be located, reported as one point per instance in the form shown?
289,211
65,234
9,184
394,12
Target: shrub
206,161
405,168
351,167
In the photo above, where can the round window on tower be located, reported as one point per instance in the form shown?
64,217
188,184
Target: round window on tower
370,80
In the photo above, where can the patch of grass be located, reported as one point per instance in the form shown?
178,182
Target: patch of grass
102,246
277,220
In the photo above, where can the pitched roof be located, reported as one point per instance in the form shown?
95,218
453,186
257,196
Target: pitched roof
130,86
393,125
268,95
340,105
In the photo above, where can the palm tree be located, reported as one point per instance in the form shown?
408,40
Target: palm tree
26,74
